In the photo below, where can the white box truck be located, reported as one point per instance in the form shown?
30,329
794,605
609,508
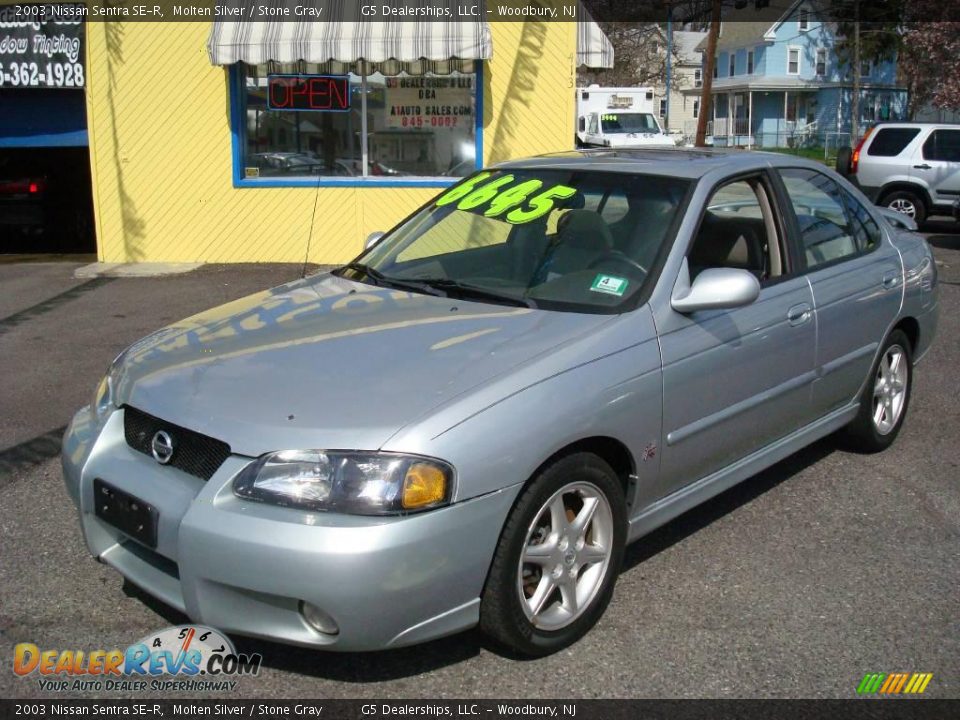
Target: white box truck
618,117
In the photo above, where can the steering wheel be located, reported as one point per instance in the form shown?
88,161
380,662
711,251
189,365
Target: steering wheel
616,256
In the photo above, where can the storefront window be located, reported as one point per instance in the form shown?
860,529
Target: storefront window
370,125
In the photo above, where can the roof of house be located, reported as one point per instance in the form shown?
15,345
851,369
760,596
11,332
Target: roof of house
749,24
687,42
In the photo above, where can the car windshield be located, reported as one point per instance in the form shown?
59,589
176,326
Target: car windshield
613,123
554,239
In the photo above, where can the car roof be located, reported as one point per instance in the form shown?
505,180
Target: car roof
691,163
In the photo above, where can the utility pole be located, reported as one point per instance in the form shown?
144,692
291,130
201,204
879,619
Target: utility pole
855,101
706,95
666,115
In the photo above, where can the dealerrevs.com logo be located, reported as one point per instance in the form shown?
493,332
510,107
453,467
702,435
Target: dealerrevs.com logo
198,658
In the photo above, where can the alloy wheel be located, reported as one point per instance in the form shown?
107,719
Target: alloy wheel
565,556
902,205
890,389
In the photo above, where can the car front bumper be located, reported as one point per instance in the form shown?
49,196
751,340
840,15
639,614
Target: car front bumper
244,567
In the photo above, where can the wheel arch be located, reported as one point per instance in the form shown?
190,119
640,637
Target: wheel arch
910,328
612,451
913,187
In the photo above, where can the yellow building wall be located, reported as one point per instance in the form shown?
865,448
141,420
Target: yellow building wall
160,148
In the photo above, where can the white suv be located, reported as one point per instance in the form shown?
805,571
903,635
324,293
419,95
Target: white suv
913,168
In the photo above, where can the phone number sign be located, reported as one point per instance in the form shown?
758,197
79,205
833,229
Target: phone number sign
41,46
429,102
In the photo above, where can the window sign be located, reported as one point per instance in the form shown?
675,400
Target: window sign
41,46
429,102
322,93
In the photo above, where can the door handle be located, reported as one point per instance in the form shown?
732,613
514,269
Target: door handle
890,279
922,167
798,314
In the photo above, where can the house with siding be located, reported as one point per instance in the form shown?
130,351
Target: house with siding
779,81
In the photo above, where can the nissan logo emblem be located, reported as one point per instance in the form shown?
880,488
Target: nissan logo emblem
162,447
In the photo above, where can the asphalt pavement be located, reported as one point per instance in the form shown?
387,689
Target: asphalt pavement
796,583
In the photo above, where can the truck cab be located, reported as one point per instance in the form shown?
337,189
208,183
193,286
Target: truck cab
618,118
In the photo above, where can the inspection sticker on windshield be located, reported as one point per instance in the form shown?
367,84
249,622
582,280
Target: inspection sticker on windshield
609,284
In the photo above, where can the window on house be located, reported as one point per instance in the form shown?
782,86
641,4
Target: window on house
791,107
804,19
663,108
821,62
793,61
698,78
866,68
716,69
750,62
696,109
733,65
416,125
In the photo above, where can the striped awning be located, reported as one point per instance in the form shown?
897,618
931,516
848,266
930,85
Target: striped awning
594,49
341,35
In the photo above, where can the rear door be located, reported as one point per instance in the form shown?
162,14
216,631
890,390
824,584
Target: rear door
856,278
938,165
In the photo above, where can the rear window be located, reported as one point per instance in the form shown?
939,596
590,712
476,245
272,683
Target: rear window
889,142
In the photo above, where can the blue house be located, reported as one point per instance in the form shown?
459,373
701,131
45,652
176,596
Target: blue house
779,82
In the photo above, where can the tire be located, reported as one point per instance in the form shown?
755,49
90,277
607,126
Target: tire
868,433
844,156
907,202
570,574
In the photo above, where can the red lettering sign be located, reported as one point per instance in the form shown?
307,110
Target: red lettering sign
325,93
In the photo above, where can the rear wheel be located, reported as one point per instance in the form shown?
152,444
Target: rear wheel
558,557
907,202
883,405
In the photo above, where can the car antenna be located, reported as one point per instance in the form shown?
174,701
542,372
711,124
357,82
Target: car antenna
313,217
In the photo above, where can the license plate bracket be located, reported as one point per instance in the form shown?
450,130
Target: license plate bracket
129,514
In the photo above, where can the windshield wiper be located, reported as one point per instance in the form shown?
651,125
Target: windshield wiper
382,280
462,290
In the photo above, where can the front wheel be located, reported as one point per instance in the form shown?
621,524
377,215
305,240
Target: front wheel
883,405
558,557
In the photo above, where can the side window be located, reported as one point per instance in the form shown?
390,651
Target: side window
737,231
593,125
942,145
865,229
890,142
825,232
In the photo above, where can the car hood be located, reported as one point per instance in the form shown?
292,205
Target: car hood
329,363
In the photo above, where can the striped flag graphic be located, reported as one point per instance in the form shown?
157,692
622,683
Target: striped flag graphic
894,683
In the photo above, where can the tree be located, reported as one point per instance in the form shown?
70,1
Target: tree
930,64
639,56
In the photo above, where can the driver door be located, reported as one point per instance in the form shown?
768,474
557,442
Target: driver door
736,380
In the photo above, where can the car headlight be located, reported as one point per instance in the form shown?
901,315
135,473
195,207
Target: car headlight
362,483
103,397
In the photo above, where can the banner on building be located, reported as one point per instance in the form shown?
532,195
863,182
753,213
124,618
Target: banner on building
41,46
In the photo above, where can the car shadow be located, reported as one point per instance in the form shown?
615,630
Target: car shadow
942,233
406,662
698,518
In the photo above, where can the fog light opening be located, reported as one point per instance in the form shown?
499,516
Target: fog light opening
318,620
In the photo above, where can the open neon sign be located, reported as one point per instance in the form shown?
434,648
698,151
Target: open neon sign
325,93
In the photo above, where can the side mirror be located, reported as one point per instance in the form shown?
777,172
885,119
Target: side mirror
373,238
898,219
583,124
714,289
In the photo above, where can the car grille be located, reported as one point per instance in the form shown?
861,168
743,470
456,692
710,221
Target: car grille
194,453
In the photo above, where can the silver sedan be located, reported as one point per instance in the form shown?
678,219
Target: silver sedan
468,423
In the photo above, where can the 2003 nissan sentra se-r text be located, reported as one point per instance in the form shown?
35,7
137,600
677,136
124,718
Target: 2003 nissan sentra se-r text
467,424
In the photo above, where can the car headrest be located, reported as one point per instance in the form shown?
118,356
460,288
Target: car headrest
727,243
584,229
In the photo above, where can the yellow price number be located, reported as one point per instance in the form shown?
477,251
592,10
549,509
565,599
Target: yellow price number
502,199
610,118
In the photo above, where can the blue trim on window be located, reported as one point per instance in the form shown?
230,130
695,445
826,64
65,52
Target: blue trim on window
237,125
